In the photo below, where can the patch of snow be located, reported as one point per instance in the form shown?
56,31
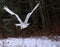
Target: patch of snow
1,43
29,42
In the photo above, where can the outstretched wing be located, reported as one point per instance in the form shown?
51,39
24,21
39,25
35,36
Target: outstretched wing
8,10
29,14
12,13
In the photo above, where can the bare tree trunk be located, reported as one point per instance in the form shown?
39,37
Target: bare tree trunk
48,24
42,15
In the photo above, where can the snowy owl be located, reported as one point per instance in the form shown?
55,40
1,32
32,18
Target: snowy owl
22,24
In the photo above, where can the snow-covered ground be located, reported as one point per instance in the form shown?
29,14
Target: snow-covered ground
30,42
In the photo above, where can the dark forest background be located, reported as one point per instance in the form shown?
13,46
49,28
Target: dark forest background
45,19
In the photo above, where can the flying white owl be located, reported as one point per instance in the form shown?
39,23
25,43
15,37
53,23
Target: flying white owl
22,24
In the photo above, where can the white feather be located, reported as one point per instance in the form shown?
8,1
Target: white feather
8,10
12,13
35,8
29,14
19,19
